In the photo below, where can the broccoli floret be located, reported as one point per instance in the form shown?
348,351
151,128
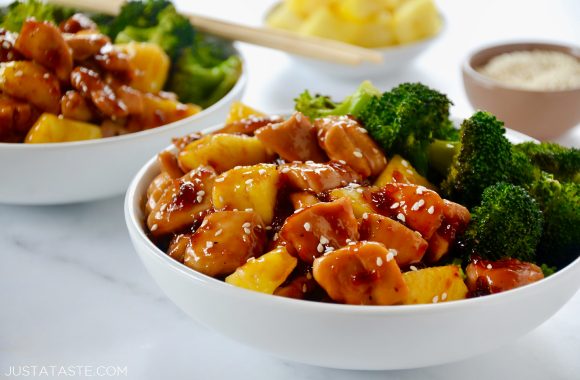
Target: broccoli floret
522,171
200,79
16,13
320,105
560,203
484,159
562,162
154,21
507,223
406,119
548,270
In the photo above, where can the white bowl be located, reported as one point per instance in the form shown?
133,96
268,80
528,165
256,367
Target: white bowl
43,174
347,336
394,57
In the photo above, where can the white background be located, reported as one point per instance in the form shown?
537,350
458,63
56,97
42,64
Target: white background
72,291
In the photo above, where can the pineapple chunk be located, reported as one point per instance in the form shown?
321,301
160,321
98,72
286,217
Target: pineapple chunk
50,128
239,111
400,170
248,187
305,8
361,11
149,62
376,33
415,20
437,284
223,152
266,273
282,17
325,23
360,204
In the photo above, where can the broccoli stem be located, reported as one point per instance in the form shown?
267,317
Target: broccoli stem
441,153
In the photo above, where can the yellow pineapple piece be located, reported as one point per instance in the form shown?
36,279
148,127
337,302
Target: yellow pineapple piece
283,17
360,205
305,8
415,20
377,32
50,128
266,273
248,187
222,152
400,170
361,11
240,111
326,23
150,65
437,284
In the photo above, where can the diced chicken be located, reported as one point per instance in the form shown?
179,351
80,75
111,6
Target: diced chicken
84,45
183,203
310,176
364,273
249,125
78,22
90,85
156,189
320,228
7,51
16,119
405,244
488,277
74,106
343,138
455,221
299,287
168,164
417,207
31,82
303,199
44,43
293,139
225,241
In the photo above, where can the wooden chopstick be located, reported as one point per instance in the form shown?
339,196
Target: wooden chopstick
312,47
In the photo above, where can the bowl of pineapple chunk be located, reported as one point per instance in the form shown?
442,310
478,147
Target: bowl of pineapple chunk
399,29
297,236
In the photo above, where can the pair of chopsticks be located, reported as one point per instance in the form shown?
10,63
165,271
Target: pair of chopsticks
312,47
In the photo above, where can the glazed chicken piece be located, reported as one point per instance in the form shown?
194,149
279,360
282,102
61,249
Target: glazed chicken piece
157,111
293,139
85,44
16,119
74,106
7,51
91,86
178,245
343,138
299,287
455,221
407,246
78,22
183,203
310,176
225,241
156,189
321,228
31,82
112,58
488,277
415,206
44,43
249,125
364,273
303,199
168,163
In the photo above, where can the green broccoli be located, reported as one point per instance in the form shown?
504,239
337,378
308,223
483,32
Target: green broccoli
200,78
17,12
560,204
321,105
507,223
562,162
155,21
483,159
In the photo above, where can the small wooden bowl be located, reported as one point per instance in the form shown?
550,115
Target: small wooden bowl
540,114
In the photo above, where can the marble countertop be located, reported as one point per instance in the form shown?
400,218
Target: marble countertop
73,292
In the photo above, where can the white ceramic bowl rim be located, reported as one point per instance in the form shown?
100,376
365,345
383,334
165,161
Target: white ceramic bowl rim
175,125
482,78
131,213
